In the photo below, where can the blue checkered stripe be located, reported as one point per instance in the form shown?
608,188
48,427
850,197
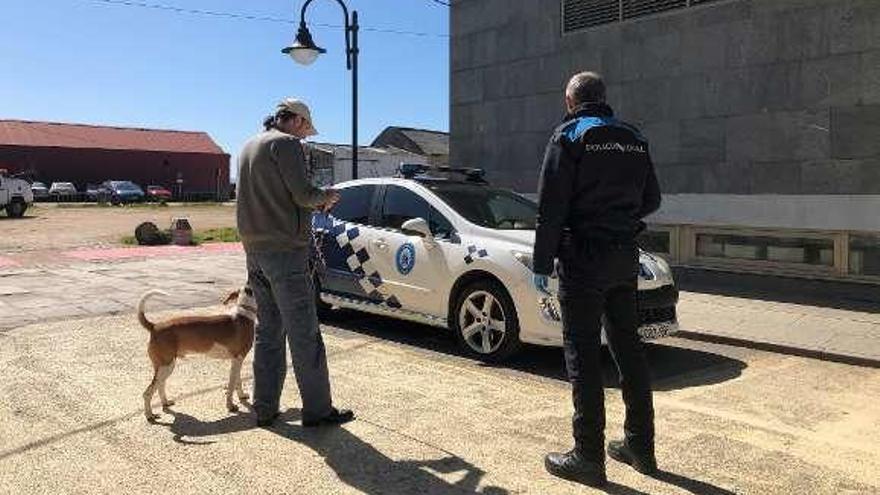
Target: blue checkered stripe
359,263
474,253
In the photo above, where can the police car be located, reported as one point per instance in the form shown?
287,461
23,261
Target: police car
454,252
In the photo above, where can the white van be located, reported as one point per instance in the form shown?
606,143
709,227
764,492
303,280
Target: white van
15,195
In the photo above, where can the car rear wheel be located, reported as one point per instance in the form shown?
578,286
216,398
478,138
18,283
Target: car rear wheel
16,209
485,321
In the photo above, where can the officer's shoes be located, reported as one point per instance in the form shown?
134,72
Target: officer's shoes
642,460
572,466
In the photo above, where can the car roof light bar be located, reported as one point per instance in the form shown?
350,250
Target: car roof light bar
413,170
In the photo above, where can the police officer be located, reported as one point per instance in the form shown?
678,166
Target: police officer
597,184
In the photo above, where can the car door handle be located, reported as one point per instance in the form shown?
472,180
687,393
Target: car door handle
380,244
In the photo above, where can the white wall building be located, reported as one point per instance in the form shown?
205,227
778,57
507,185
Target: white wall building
331,163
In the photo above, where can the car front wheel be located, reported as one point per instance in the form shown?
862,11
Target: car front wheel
16,209
485,321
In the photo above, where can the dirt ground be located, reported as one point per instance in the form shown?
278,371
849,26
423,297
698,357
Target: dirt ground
48,226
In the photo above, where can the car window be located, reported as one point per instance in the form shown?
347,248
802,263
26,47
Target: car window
354,204
489,207
401,205
441,227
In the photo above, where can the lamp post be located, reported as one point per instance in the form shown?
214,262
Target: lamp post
304,51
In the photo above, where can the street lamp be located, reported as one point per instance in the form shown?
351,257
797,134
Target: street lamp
304,51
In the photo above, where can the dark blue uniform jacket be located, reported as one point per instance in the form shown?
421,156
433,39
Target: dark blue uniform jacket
597,183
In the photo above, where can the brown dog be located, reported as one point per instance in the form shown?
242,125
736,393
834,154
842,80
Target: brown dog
229,336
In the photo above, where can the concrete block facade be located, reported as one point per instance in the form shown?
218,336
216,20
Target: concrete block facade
738,97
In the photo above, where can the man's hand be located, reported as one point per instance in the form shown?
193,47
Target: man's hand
542,283
333,197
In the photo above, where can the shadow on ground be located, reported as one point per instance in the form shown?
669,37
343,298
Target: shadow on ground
673,368
4,217
363,467
850,296
357,463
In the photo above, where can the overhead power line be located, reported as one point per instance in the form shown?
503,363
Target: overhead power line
441,2
257,18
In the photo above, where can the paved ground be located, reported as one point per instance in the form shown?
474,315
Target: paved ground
62,285
837,334
69,288
730,420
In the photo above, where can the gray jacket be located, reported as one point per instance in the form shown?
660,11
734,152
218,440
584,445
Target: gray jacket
274,196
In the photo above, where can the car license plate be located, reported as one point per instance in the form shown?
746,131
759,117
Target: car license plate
653,331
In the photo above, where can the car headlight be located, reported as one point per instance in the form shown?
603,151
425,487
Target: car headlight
665,270
655,268
525,258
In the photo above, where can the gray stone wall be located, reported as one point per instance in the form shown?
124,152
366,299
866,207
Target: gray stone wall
736,97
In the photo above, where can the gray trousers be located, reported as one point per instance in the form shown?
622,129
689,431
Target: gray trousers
286,311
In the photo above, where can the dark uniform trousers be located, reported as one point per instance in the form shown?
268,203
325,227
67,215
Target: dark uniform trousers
599,279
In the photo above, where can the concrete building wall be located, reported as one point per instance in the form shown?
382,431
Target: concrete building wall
738,97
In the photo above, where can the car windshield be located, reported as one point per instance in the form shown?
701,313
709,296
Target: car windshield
126,186
489,207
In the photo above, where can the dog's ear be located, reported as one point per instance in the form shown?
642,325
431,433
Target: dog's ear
233,296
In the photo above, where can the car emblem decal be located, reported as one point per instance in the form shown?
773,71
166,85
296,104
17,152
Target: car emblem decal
406,258
473,253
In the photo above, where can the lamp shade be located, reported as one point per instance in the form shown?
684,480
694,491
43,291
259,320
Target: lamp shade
301,55
303,50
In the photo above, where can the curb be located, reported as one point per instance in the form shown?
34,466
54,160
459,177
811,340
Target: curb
780,348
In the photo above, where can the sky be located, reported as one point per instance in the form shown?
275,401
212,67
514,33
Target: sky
103,62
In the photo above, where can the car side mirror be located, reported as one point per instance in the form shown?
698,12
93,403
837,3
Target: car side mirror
417,226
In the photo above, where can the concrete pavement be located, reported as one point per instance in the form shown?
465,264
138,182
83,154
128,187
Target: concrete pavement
730,420
429,420
841,335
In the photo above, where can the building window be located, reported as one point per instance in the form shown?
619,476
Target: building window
765,248
656,241
581,14
864,255
640,8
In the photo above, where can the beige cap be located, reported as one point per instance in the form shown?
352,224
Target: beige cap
298,107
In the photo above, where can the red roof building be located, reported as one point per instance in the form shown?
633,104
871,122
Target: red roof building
182,161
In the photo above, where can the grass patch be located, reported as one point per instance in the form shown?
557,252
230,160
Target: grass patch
223,234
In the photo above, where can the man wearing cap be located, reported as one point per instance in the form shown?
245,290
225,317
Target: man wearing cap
274,211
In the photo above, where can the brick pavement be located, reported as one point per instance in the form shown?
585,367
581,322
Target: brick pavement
195,277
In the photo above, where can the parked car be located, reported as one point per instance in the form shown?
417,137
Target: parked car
97,192
455,254
124,191
39,190
15,195
158,193
62,190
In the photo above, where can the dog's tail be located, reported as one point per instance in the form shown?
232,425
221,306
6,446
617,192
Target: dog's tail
142,305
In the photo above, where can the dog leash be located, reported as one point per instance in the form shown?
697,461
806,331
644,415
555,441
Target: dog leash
318,257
